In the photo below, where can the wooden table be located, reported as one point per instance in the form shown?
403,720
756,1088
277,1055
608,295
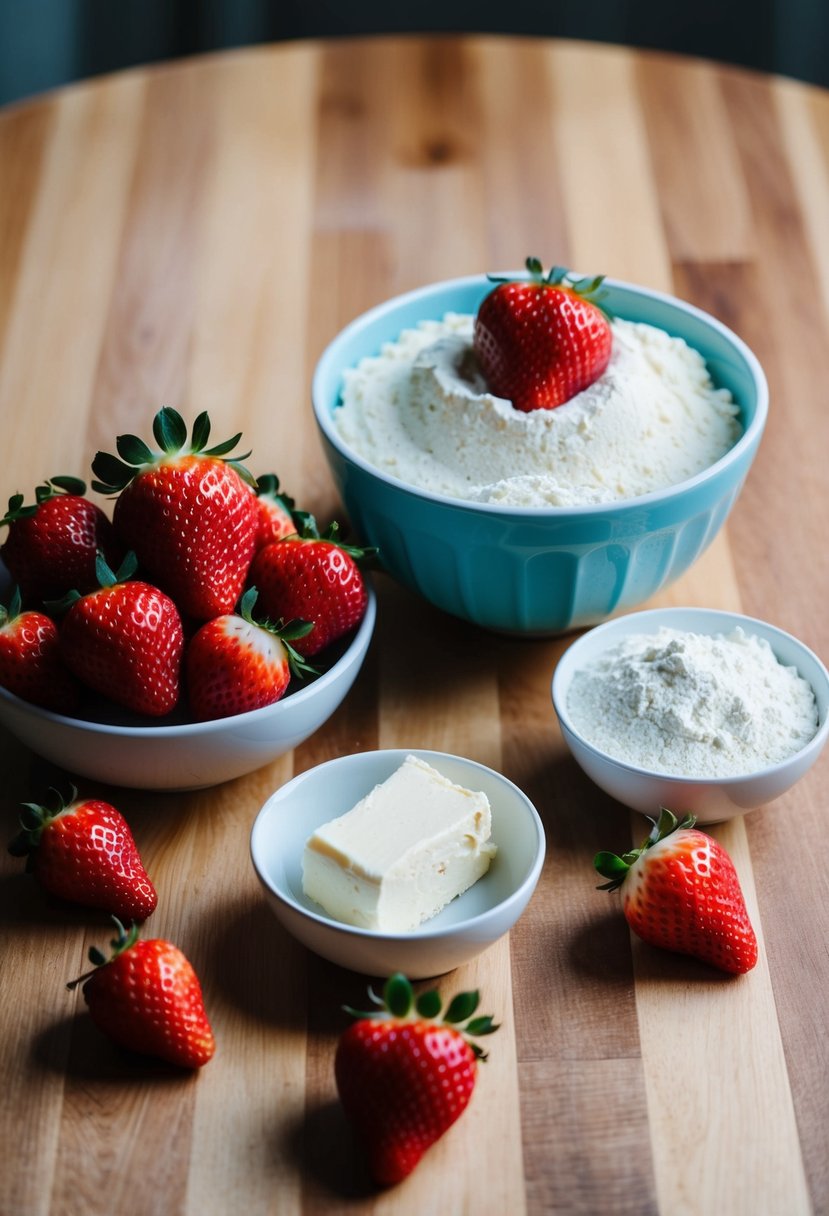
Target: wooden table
194,235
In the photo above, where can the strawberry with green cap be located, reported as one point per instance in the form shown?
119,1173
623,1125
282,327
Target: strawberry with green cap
185,510
542,339
82,850
680,891
31,664
147,998
52,543
405,1072
235,663
313,577
125,640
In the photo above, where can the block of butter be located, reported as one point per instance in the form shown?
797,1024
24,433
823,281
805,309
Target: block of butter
402,853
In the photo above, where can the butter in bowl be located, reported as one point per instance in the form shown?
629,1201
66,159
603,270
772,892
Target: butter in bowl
398,860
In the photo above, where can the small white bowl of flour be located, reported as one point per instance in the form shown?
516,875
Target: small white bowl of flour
705,712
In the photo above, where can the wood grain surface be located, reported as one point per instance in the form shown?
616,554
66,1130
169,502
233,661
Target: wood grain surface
194,235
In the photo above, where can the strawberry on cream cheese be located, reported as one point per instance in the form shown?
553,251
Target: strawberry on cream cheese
420,411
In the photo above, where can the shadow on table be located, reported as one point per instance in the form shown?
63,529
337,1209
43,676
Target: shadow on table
326,1155
74,1047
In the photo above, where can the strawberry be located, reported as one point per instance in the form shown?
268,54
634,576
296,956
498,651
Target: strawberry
51,546
125,641
30,659
312,578
185,511
147,998
83,851
404,1077
234,663
275,511
680,891
541,340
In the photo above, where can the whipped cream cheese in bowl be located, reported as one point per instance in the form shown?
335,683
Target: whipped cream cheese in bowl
540,522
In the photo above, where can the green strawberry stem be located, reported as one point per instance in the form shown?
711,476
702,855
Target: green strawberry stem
13,610
559,276
286,632
398,1000
34,818
125,940
615,868
307,529
267,486
170,433
53,487
106,576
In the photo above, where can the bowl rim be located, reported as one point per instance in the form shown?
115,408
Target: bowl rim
751,434
568,664
358,645
421,934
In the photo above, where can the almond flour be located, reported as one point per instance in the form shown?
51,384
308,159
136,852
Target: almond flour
693,705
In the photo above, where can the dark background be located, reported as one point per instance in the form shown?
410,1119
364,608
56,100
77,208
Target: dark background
44,43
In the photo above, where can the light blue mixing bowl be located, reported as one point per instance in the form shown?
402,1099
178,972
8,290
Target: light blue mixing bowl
544,570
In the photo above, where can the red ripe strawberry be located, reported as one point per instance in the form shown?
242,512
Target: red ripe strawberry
51,546
312,578
275,511
84,851
30,660
185,511
125,641
234,663
404,1077
147,998
680,891
541,340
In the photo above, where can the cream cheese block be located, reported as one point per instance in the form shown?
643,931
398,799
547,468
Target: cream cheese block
402,853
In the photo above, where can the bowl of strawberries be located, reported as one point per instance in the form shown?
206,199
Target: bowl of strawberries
202,630
537,451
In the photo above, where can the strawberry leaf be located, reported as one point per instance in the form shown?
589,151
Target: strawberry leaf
15,603
267,486
201,432
428,1003
69,485
222,449
112,474
17,510
134,450
398,995
482,1025
462,1006
611,866
169,430
586,287
296,628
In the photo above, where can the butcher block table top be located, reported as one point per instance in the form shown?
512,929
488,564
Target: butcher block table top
194,235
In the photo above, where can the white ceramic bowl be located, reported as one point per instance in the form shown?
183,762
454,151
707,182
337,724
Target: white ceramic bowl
188,755
461,931
715,799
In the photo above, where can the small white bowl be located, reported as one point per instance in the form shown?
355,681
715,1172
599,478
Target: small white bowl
115,749
461,931
718,798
